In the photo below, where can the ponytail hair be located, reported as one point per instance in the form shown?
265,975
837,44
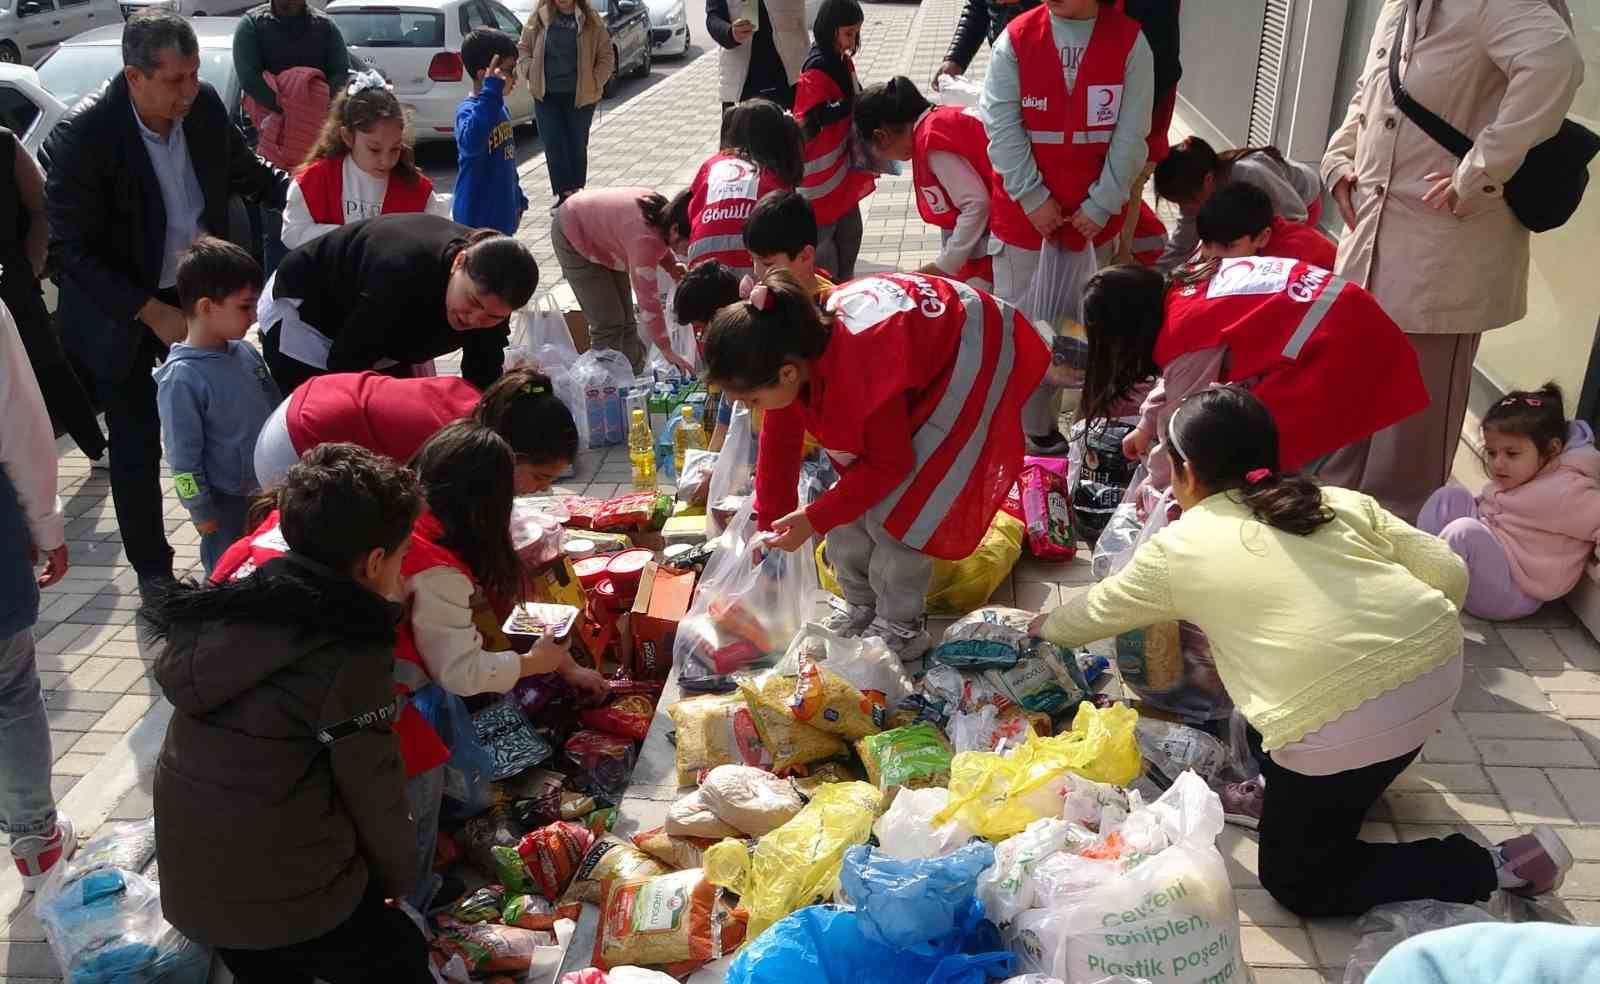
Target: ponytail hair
501,265
1227,441
466,471
522,407
1182,175
666,217
1124,308
763,133
892,106
748,342
1539,415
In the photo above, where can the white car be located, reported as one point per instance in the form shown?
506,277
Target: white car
26,107
30,29
189,8
416,44
669,27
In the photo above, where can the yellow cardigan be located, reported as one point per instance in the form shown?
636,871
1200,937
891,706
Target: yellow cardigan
1303,628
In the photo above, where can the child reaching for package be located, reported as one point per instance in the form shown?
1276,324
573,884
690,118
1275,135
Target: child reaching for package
927,444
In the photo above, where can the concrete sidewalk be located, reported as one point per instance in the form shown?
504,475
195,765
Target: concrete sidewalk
1521,748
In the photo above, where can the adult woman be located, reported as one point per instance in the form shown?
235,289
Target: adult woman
391,292
759,60
23,237
1430,235
394,417
566,60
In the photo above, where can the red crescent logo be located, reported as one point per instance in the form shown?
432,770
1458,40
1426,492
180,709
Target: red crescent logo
1106,97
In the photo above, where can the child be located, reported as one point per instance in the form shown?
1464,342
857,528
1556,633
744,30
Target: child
1318,351
362,165
1124,308
1336,628
949,154
1066,104
214,393
488,193
1193,172
605,238
928,443
781,234
1239,221
761,154
823,98
1529,533
280,766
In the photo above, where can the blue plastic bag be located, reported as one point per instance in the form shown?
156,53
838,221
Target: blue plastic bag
471,766
914,904
823,944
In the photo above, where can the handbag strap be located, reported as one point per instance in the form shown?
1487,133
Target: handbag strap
1443,133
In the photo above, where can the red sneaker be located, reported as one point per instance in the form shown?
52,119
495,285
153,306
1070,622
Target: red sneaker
37,855
1540,859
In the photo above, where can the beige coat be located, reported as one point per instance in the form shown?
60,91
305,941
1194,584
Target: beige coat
791,35
1504,72
594,51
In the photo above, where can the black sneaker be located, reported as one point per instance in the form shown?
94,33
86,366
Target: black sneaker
1051,445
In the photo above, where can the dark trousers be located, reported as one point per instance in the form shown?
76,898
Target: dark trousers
1315,864
135,446
378,944
64,394
287,372
564,128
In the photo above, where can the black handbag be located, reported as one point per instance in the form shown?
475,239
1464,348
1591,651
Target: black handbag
1547,188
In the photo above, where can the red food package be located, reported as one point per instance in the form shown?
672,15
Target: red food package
486,947
634,511
627,717
669,919
605,763
1047,510
582,510
552,854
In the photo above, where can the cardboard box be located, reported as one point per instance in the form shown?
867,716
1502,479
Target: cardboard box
557,584
663,601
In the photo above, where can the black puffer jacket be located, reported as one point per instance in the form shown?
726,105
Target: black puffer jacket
987,18
279,792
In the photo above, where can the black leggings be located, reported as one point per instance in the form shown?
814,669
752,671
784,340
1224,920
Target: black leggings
1315,864
378,944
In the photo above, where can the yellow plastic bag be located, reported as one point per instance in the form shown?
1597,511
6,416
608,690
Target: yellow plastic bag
960,586
996,796
797,864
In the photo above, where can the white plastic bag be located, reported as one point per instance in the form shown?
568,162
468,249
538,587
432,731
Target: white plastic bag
958,90
865,664
906,831
605,378
1170,918
680,337
734,479
540,336
1007,889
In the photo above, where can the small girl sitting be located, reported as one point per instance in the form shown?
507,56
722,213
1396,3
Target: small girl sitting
363,165
1528,534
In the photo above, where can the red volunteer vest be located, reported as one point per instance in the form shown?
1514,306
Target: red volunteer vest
722,195
1149,236
1071,134
420,746
829,183
954,130
322,184
393,417
1299,241
1319,351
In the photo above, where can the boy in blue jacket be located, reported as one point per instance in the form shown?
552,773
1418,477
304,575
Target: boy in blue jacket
488,194
214,393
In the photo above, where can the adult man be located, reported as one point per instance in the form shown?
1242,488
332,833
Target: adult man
135,172
275,38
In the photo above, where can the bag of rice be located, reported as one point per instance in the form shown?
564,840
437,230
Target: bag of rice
913,757
989,638
610,859
668,919
552,855
713,731
675,852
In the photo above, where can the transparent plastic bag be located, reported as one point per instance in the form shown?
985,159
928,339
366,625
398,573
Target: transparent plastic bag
1170,748
733,481
103,920
1054,303
958,90
866,664
912,904
605,377
1384,927
906,830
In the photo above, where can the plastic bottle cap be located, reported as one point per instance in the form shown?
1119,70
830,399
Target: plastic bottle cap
687,411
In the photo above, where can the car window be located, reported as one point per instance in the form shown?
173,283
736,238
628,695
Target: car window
505,20
371,27
74,70
17,111
70,3
474,16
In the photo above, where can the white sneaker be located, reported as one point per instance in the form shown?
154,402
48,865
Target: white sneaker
37,856
909,641
846,619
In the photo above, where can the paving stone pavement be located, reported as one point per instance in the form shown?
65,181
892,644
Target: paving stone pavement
1523,746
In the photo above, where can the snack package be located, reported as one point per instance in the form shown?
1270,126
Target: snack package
484,905
536,535
677,853
813,694
865,664
600,822
511,869
532,912
481,834
581,511
605,763
610,859
1047,510
669,919
552,855
913,757
636,511
505,733
628,716
713,731
486,948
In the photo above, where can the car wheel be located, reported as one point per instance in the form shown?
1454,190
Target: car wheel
9,54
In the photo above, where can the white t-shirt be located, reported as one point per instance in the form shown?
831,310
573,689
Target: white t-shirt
363,199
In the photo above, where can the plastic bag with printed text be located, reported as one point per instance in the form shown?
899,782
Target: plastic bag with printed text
800,861
1170,916
998,795
1098,474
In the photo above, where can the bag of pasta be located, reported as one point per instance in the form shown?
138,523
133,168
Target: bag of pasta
610,859
672,919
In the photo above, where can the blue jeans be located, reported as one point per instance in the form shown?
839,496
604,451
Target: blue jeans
26,806
564,128
423,795
229,511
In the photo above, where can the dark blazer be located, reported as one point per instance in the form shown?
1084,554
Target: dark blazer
108,222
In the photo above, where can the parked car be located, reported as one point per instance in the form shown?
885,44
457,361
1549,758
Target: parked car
628,23
669,27
189,8
417,46
26,107
30,29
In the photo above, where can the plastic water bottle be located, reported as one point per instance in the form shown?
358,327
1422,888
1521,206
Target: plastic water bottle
641,451
689,436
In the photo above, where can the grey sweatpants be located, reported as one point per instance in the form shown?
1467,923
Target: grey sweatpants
875,569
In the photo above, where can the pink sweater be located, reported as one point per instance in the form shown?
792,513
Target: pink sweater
1550,525
606,226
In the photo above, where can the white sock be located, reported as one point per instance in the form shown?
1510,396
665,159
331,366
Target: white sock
1502,871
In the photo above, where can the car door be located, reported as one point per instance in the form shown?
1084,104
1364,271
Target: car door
39,29
519,101
78,16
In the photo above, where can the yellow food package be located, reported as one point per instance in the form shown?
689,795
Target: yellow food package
789,742
996,795
797,864
713,731
817,696
960,586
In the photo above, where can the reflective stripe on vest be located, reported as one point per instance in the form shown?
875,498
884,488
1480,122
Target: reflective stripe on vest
1092,137
701,248
1309,322
823,189
1047,136
827,160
